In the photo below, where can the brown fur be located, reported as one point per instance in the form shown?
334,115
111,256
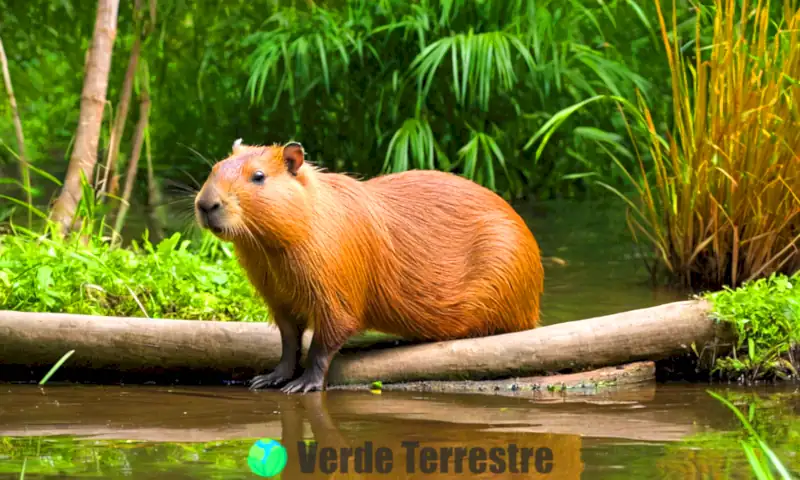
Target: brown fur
422,254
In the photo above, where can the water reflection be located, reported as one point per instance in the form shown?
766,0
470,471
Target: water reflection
170,433
437,448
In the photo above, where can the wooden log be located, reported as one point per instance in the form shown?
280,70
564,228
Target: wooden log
238,350
646,334
554,387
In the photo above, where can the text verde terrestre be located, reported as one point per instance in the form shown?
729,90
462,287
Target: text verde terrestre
476,460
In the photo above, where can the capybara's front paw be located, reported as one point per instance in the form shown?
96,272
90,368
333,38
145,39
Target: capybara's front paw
308,382
275,378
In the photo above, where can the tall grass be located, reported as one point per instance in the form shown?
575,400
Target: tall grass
718,197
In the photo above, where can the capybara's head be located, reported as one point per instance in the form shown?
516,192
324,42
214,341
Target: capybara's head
257,194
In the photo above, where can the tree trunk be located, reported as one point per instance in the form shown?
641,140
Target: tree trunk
23,159
93,98
136,152
155,209
210,351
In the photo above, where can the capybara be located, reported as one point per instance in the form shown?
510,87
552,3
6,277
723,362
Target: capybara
422,254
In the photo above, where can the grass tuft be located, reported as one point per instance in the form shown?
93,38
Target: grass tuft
717,198
55,367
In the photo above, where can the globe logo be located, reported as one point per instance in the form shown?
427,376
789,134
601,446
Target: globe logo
267,458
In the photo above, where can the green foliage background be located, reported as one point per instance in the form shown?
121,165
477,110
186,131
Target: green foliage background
367,86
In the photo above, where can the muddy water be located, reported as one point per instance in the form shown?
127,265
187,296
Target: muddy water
651,431
592,267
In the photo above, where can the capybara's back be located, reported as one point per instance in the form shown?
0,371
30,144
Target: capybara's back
461,261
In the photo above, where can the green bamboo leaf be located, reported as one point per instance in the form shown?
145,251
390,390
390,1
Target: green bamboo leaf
547,130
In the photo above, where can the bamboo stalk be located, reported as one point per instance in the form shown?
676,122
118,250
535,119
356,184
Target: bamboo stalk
138,141
93,99
154,198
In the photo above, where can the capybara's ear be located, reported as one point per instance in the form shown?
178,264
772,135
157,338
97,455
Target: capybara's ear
237,145
294,156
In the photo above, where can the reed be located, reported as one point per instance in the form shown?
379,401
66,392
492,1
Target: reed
717,197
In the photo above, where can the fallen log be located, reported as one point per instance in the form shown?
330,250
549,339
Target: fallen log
543,387
236,350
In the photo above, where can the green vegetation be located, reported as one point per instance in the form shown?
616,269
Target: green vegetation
717,198
374,85
695,133
538,98
172,279
445,84
762,467
768,434
765,314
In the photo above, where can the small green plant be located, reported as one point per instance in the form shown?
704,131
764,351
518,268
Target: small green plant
733,450
761,467
55,367
765,315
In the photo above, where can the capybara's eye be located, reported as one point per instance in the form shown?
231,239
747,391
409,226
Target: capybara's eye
258,177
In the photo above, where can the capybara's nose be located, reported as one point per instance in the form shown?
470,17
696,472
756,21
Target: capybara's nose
207,206
209,210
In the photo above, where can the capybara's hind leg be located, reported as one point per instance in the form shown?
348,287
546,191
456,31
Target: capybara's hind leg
291,337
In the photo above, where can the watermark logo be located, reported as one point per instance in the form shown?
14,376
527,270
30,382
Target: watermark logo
267,458
426,459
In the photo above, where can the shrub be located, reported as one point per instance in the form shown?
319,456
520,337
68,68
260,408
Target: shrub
765,314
